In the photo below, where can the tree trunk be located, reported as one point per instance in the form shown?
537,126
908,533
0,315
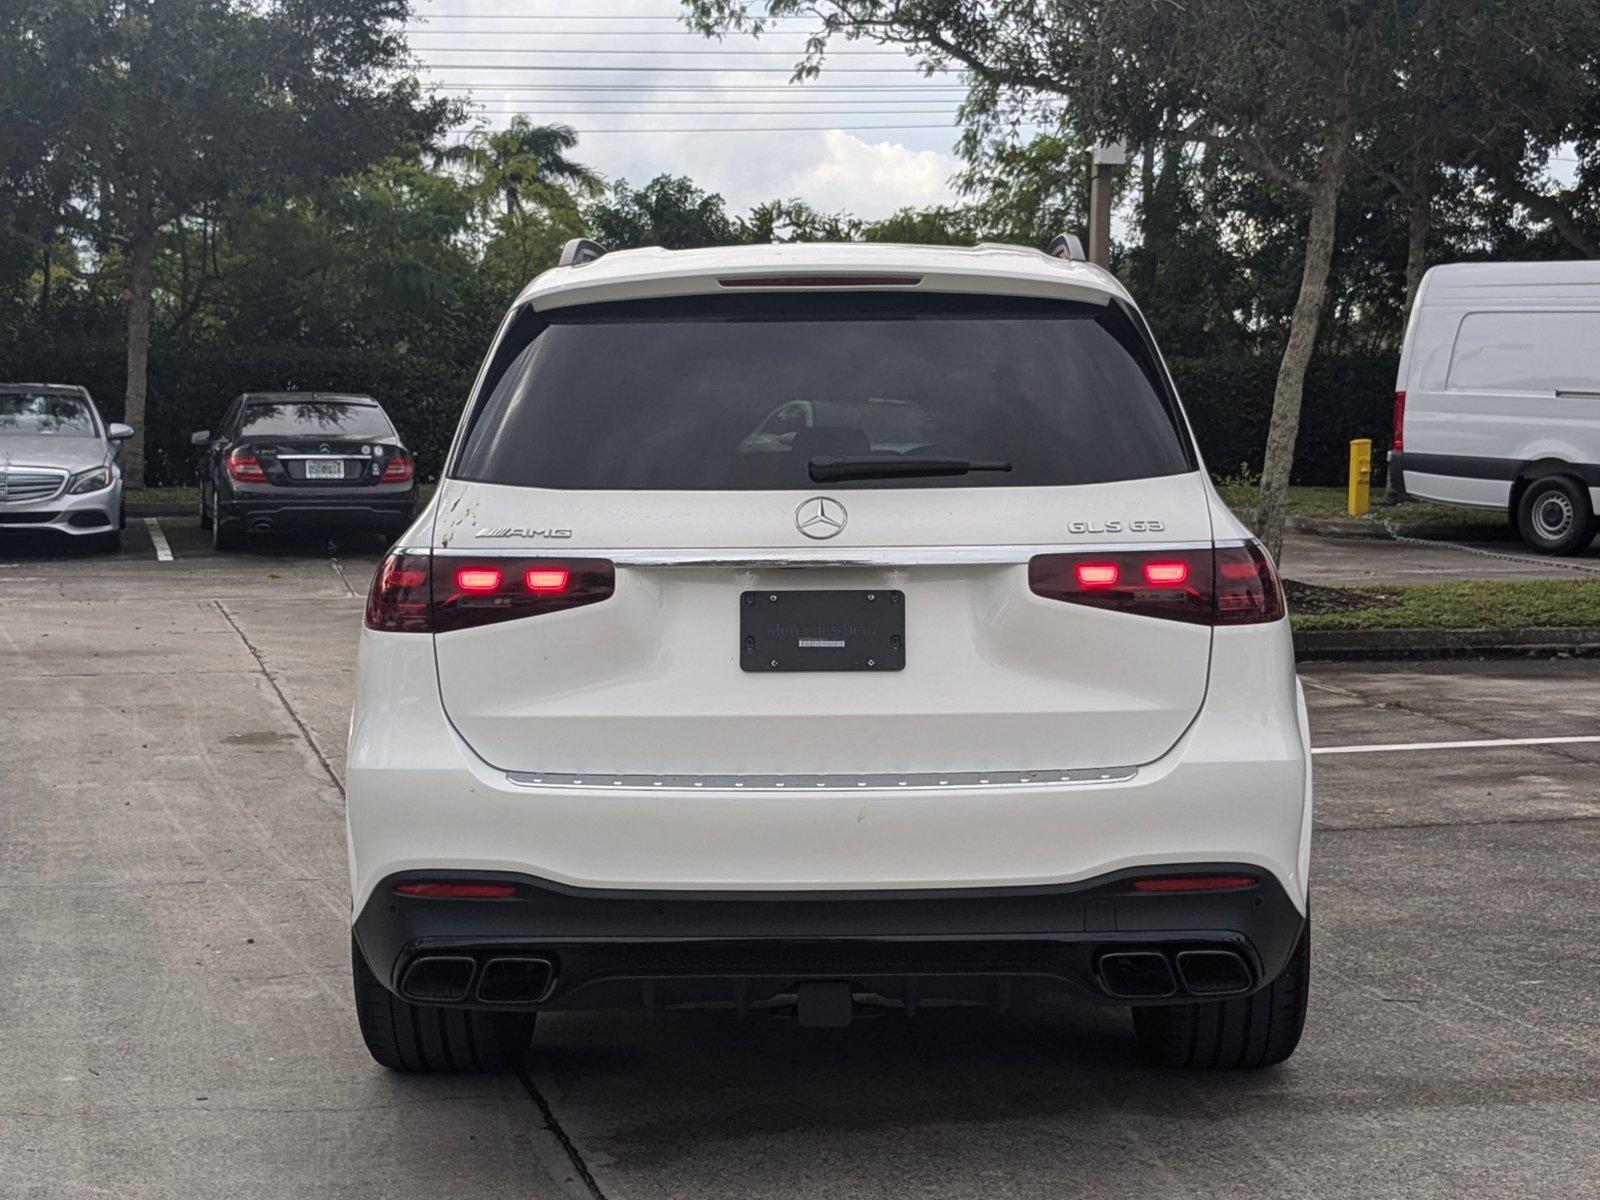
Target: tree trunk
1290,389
1419,215
141,261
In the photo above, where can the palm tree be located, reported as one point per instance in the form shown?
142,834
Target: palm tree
514,163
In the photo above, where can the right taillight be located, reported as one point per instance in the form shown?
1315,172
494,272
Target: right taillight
1230,585
425,593
1397,443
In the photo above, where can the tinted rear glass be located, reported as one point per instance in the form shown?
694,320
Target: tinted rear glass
740,393
45,413
313,418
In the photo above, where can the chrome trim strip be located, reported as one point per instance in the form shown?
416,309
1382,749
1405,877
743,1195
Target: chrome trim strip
877,781
819,556
327,457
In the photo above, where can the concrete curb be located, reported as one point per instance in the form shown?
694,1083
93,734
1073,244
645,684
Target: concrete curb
1322,645
1351,527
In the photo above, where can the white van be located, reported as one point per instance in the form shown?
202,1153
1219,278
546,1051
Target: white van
1497,404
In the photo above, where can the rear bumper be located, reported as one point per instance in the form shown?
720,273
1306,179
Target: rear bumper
618,948
1236,788
369,510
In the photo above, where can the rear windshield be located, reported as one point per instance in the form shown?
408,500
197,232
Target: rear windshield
741,392
45,413
314,418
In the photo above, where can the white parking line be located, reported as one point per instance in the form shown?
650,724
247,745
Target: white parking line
1483,743
163,551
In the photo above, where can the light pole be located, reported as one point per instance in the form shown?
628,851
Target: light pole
1106,159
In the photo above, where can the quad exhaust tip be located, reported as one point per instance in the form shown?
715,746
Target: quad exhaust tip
1154,975
504,979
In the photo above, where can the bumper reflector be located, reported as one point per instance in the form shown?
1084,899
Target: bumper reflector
456,889
1194,883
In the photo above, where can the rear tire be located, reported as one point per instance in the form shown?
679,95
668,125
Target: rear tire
1252,1031
1554,515
205,517
225,535
413,1037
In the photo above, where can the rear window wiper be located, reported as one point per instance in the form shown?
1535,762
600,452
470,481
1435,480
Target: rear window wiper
827,468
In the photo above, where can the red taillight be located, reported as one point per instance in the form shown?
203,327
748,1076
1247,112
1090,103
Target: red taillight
1194,883
547,580
1398,442
420,593
1247,591
1168,574
1232,585
400,599
398,469
451,889
245,468
480,581
1097,574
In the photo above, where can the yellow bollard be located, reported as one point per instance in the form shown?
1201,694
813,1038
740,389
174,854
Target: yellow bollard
1360,501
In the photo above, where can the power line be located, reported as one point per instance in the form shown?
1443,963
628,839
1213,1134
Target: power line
479,16
702,88
652,52
731,70
726,129
719,112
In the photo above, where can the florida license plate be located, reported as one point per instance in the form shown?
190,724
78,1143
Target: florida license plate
325,470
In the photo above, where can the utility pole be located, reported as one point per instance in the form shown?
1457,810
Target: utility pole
1106,159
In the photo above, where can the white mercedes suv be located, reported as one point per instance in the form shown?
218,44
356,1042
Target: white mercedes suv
816,626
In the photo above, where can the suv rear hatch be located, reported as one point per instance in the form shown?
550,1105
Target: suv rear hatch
677,442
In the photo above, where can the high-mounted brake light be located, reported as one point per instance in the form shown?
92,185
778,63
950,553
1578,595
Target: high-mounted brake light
821,281
452,889
1231,585
245,468
1194,883
398,469
422,593
1397,442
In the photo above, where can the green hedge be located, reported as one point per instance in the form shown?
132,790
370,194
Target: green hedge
1229,399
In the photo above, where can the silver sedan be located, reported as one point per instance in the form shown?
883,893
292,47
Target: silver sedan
58,463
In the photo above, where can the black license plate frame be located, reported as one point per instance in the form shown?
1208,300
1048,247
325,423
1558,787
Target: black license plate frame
822,629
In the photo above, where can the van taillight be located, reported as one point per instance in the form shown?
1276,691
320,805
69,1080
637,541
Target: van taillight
1231,585
1398,442
424,593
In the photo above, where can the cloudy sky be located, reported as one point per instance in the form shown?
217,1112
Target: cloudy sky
647,96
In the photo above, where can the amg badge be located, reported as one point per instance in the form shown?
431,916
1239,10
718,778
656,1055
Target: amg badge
509,531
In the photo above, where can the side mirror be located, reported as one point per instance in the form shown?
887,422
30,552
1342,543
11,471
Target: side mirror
119,432
200,437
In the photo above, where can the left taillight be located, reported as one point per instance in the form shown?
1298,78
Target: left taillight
424,593
1230,585
245,467
399,469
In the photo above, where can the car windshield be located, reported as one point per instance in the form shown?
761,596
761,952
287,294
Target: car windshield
314,418
743,394
48,413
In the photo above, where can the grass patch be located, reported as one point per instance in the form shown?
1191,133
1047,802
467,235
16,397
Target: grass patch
1474,604
1329,503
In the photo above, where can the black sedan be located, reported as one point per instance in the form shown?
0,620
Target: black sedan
304,460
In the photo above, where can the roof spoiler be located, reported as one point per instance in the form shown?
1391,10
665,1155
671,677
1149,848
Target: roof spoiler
579,251
1063,245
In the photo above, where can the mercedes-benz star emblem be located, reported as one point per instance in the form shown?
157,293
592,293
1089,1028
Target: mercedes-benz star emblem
820,517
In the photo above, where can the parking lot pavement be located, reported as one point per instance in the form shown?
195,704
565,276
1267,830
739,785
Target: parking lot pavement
175,991
1333,561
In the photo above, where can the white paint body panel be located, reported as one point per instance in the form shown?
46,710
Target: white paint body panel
997,678
1496,361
